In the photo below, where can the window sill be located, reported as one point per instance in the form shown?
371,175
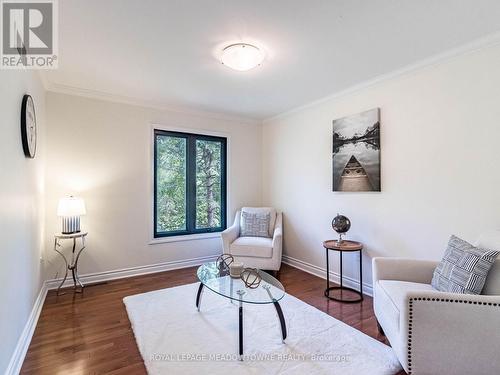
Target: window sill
185,237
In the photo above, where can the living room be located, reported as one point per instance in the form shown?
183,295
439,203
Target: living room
255,187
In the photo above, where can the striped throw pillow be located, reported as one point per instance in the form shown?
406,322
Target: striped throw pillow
464,268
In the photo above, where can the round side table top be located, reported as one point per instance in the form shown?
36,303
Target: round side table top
71,235
345,245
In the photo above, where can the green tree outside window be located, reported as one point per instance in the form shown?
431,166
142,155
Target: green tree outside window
190,183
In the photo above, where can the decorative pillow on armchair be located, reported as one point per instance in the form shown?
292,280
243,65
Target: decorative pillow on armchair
463,268
254,224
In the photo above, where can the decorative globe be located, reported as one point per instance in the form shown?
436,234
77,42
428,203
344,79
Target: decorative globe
251,277
341,224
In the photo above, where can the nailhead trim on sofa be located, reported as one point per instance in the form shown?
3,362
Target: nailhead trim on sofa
410,316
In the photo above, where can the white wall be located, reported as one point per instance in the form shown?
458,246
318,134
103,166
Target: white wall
439,175
21,209
100,150
440,164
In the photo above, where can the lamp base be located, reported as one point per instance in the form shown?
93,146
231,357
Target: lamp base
70,224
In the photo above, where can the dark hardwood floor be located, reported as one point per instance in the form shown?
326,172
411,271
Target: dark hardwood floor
91,333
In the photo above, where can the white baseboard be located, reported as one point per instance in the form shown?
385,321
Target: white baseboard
24,341
27,334
98,277
321,272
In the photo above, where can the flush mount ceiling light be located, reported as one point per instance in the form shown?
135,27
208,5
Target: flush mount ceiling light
242,56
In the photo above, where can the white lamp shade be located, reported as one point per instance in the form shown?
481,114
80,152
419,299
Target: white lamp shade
71,206
242,56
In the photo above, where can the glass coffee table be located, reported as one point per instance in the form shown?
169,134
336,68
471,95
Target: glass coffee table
215,277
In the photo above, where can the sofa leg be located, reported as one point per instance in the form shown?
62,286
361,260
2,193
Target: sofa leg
380,329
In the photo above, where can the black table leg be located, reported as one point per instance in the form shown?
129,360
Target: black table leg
281,318
240,324
341,288
361,274
341,273
198,296
279,312
240,346
327,272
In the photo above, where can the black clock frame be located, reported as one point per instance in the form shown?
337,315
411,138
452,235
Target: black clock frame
24,133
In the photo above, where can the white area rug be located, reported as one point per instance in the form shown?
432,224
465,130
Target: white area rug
174,338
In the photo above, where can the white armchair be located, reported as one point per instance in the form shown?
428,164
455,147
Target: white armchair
434,332
257,252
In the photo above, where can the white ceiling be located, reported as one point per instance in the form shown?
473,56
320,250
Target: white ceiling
163,51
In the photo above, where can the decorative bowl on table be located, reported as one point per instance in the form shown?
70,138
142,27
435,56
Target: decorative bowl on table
235,269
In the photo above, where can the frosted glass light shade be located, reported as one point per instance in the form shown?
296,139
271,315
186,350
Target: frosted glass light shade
242,56
71,206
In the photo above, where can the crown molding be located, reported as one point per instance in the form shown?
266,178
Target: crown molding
161,106
474,46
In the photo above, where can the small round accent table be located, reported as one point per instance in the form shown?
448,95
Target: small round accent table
344,246
73,265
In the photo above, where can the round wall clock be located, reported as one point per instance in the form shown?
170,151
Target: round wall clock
28,126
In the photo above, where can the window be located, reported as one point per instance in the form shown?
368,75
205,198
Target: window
189,183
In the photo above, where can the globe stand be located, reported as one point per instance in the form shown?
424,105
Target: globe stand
340,241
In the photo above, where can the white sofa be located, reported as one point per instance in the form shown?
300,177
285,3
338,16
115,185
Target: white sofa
434,332
256,252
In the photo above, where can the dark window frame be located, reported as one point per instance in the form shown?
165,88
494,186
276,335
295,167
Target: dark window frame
191,139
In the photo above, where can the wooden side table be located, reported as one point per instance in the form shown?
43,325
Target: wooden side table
344,246
73,265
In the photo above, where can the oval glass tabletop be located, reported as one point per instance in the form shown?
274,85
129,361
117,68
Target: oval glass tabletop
217,279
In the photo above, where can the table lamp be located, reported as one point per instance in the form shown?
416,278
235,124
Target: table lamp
70,209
